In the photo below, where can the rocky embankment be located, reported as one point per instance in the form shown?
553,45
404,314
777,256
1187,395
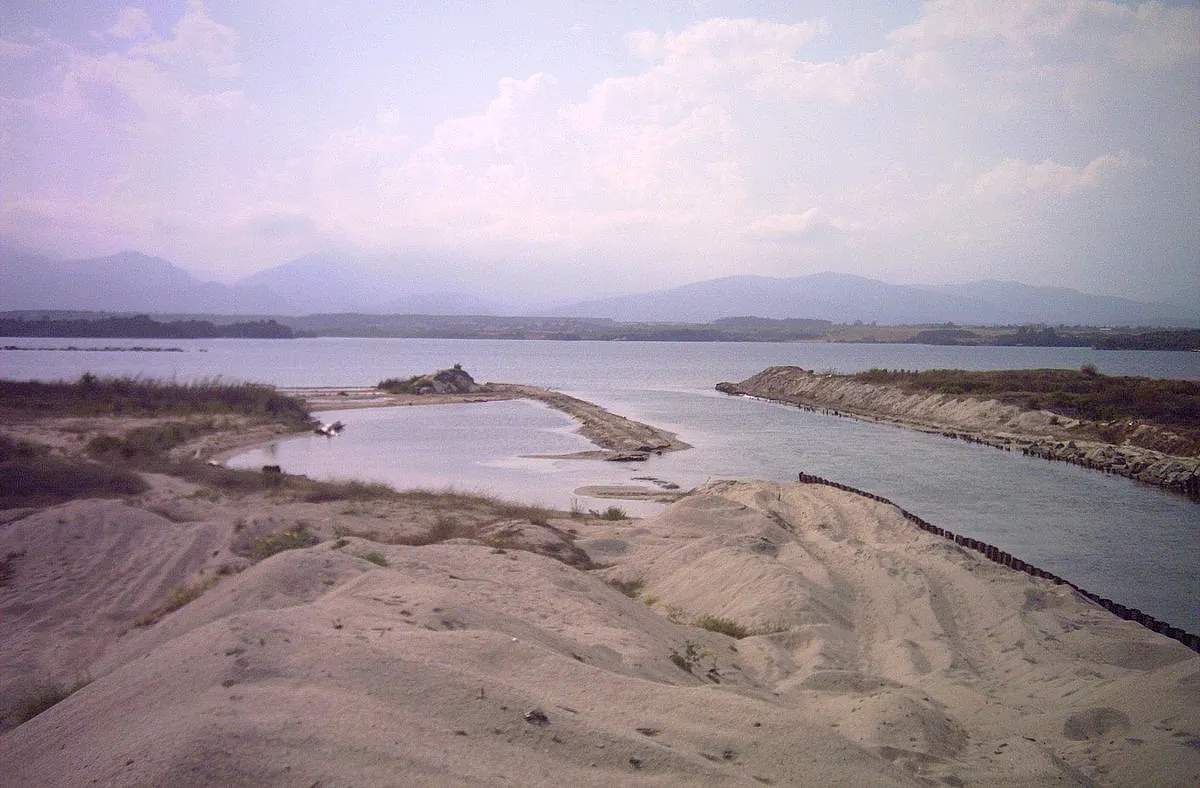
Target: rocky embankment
1039,433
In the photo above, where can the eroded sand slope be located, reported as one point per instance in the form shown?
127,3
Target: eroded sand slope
894,658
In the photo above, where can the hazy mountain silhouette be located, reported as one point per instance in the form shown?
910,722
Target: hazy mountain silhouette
1054,305
322,283
124,282
844,298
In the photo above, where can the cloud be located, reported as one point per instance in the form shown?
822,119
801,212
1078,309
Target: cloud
813,224
197,41
16,49
723,145
132,24
1013,177
1149,34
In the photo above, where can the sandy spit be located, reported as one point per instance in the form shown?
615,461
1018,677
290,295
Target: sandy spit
615,435
1039,433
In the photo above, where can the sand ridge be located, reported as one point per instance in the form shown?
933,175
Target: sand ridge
888,656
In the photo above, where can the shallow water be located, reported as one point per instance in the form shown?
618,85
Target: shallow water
1113,536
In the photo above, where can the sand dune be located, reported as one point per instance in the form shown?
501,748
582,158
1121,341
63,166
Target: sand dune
888,656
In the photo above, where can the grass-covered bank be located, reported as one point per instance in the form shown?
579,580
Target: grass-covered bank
1081,394
105,458
1146,429
91,395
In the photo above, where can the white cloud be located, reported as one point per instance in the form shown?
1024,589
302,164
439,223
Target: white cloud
809,225
1013,177
728,144
133,23
197,41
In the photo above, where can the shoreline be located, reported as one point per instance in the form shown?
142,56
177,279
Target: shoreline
617,438
986,422
751,633
705,645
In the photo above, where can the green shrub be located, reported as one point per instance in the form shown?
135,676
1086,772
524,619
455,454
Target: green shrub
689,659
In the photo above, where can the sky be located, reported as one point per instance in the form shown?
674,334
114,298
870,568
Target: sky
581,149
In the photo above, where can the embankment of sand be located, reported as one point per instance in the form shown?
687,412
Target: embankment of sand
753,633
1039,433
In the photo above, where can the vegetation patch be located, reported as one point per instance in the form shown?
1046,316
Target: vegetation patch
38,698
689,658
630,588
375,557
734,629
30,475
291,539
612,513
400,385
181,596
135,396
1084,394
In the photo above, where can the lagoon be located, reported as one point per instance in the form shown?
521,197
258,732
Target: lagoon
1114,536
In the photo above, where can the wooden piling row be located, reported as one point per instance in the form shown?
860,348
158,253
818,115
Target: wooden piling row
994,553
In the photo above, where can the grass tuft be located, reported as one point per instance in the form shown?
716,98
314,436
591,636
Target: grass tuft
291,539
630,588
181,596
375,557
39,698
734,629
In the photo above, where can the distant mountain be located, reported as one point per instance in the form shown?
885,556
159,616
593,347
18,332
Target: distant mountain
124,282
1061,305
844,298
323,283
135,282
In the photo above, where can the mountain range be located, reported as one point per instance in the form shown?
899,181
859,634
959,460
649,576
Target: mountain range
315,284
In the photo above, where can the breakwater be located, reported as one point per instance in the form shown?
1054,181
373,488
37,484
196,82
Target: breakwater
994,553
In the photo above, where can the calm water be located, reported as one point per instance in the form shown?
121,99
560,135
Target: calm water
1118,538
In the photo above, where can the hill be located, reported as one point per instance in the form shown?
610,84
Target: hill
125,282
846,298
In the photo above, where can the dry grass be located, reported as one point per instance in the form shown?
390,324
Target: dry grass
734,629
38,698
181,596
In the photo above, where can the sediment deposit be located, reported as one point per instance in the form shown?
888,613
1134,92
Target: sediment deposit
865,651
1040,433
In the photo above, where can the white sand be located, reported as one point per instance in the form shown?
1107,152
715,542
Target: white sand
901,659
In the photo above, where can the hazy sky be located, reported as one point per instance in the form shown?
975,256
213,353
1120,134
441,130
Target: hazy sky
598,147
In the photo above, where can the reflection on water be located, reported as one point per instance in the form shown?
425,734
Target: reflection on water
486,447
1124,540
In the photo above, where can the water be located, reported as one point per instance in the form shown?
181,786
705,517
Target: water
1118,538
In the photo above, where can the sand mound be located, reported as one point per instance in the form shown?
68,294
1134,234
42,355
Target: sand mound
884,656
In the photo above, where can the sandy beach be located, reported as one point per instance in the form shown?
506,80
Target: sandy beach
753,633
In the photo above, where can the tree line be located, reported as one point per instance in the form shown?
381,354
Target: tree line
142,327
